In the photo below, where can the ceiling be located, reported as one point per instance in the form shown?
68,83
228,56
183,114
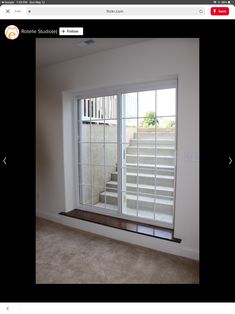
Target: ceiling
54,50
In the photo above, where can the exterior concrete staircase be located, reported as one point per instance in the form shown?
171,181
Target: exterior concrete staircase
150,174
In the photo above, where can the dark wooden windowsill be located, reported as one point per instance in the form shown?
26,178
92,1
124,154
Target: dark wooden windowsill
123,224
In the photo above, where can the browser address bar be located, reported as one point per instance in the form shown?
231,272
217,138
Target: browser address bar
115,10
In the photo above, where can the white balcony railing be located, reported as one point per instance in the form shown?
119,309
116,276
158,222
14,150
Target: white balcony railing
99,108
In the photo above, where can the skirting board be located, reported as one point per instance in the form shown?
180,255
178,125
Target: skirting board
121,235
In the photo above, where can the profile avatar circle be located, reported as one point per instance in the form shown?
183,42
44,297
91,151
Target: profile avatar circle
12,32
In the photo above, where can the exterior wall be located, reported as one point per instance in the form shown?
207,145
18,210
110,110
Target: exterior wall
154,60
130,133
96,174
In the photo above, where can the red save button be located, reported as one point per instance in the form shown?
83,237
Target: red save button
220,11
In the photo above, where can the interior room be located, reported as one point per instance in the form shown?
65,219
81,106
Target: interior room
117,160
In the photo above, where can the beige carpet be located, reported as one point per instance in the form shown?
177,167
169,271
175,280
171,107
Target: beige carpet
65,255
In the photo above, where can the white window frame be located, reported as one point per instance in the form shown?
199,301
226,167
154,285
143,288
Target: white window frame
119,90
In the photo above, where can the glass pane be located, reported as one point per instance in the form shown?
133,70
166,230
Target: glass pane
85,195
95,108
110,107
84,110
111,188
147,123
146,103
129,105
97,131
166,102
98,177
98,108
97,154
84,152
98,196
166,124
98,183
129,203
111,155
111,178
84,132
111,131
85,175
146,203
129,130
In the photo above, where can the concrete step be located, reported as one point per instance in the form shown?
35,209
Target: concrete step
149,150
142,202
151,159
150,169
148,179
161,191
152,135
152,142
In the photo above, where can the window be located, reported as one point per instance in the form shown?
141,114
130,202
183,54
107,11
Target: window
127,153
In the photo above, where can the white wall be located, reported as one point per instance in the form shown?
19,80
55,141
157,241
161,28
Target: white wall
147,61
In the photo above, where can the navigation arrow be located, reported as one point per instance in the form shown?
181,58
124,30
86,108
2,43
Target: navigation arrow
4,160
230,160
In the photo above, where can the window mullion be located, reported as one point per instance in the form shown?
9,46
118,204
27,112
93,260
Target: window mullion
120,154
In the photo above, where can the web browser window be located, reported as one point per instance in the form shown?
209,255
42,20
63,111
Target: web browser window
112,129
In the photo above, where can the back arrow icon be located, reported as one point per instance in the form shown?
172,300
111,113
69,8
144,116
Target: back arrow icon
230,160
4,160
